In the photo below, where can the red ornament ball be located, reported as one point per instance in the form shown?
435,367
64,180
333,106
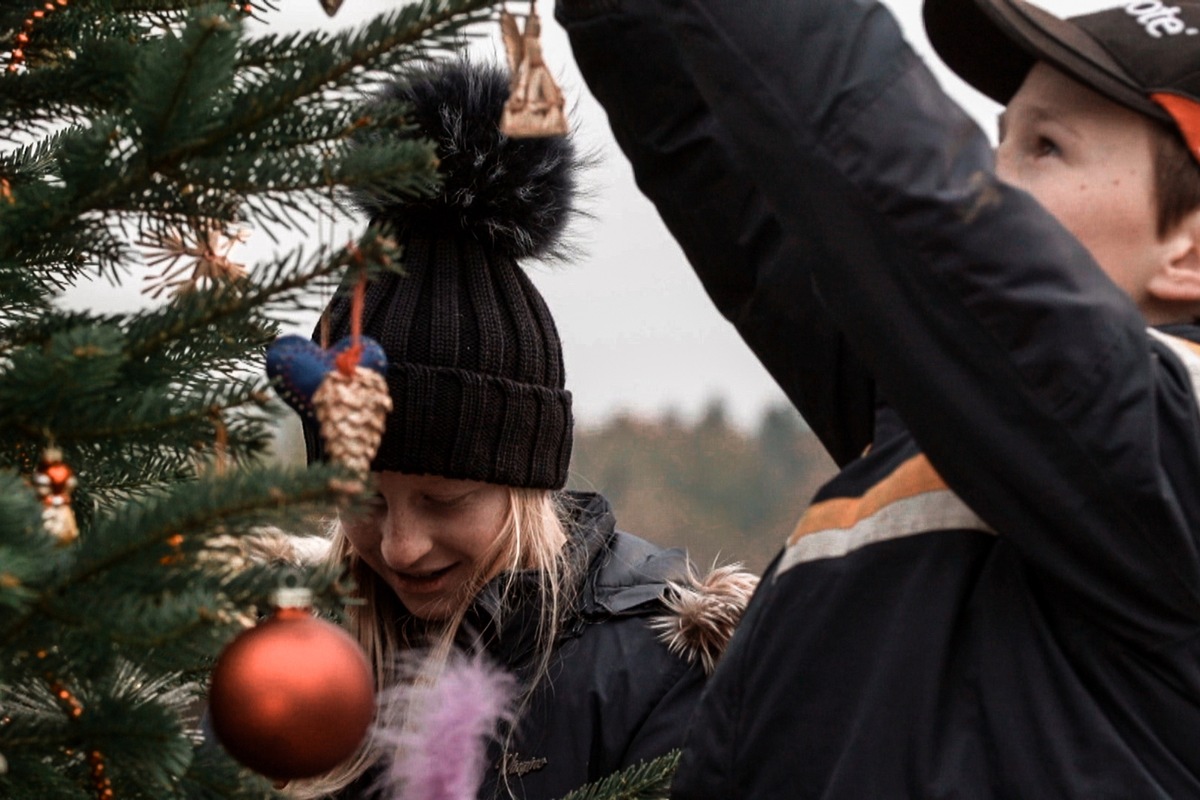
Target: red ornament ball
292,697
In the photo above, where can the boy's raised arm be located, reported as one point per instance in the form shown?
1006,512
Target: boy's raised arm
682,161
1026,376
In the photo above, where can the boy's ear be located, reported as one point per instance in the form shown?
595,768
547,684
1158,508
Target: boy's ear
1178,277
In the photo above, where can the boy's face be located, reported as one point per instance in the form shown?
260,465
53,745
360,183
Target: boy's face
1089,161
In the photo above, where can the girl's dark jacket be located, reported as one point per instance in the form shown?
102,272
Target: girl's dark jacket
999,594
627,670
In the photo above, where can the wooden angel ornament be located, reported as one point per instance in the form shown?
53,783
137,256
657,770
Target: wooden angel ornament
535,103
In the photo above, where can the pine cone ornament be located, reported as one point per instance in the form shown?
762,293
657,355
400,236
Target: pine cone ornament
342,388
352,411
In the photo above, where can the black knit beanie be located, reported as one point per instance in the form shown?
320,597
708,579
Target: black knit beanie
475,366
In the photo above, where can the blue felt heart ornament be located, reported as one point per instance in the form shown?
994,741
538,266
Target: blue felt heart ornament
297,366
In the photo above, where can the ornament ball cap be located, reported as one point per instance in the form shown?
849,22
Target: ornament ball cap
292,597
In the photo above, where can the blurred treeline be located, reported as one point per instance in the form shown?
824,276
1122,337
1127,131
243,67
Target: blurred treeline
724,493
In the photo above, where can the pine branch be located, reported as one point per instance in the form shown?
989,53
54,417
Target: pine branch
27,556
162,133
242,498
31,161
135,116
51,261
416,30
117,481
647,780
193,339
214,776
76,384
306,175
33,385
155,417
290,282
134,719
199,63
131,720
67,90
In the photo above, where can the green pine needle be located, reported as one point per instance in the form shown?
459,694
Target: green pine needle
646,780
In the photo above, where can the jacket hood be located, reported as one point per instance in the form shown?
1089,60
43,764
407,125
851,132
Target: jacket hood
694,614
623,576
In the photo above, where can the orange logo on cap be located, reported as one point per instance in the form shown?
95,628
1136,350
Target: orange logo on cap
1186,113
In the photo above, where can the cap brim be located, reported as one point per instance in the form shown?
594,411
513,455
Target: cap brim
992,44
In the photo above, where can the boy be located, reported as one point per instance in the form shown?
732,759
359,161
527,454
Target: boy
999,594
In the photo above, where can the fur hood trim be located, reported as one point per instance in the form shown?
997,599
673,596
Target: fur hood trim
702,613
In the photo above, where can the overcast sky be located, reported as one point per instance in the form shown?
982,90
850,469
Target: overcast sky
638,332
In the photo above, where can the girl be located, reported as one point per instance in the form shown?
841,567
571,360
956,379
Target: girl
473,543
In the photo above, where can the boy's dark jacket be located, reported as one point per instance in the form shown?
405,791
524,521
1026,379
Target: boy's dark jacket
629,667
999,595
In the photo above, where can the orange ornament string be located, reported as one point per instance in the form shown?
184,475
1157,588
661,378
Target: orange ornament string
347,360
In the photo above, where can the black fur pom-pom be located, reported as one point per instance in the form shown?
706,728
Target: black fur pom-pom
513,195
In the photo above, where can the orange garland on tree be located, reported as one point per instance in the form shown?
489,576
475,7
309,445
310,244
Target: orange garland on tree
17,57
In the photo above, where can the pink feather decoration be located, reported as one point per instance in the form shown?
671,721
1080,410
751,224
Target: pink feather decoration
440,753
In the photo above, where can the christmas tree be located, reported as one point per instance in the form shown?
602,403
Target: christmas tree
142,138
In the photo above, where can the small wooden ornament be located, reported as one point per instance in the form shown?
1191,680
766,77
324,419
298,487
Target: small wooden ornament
54,482
535,103
203,247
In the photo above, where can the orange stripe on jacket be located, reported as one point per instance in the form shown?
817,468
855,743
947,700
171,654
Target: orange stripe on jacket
915,476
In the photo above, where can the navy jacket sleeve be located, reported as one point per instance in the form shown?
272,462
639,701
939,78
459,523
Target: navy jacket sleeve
1025,374
682,162
662,729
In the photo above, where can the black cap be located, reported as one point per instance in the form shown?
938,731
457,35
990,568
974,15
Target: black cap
1144,54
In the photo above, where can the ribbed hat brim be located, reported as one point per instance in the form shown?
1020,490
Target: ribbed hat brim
519,434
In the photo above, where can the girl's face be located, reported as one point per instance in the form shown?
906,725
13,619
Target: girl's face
432,539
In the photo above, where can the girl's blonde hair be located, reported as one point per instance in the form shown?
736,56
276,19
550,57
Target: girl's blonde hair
532,538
